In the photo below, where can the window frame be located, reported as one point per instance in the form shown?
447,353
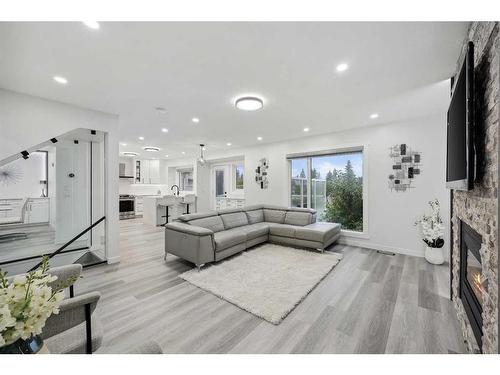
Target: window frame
234,187
364,149
180,171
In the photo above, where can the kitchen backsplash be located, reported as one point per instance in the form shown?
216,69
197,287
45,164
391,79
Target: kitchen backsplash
139,189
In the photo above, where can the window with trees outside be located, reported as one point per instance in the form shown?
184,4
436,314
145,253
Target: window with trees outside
332,185
238,177
186,180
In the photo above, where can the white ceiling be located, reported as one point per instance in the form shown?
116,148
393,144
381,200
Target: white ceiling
197,69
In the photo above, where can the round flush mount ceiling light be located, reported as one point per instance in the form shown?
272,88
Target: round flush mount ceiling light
342,67
94,25
129,153
141,138
228,143
259,138
374,116
249,103
151,149
61,80
164,130
306,129
195,120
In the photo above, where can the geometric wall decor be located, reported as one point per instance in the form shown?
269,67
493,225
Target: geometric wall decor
261,177
406,166
10,174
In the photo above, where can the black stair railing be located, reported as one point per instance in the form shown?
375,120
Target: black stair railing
70,242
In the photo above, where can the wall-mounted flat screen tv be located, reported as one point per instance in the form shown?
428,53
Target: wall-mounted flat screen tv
460,151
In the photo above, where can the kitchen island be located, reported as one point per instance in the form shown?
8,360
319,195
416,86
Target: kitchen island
155,208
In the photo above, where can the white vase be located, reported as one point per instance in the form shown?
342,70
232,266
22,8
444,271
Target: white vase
434,255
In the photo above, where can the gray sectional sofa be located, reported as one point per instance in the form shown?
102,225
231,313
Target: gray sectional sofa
202,238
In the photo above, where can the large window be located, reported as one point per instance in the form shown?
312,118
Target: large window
331,184
185,180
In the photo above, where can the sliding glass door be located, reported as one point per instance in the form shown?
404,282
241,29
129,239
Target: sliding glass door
332,184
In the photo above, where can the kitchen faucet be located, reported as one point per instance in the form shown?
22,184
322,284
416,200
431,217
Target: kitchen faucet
172,188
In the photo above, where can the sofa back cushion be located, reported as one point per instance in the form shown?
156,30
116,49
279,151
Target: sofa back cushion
233,220
199,215
255,216
298,218
214,223
274,216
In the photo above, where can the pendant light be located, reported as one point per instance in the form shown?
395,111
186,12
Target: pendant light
201,159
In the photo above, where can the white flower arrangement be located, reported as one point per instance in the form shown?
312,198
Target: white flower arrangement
27,302
432,226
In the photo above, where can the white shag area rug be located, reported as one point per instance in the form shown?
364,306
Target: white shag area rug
268,281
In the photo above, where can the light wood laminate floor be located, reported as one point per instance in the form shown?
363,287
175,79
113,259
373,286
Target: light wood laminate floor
369,303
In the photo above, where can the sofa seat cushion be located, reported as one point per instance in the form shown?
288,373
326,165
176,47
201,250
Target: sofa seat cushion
274,216
283,230
298,218
234,220
319,232
214,223
229,238
254,231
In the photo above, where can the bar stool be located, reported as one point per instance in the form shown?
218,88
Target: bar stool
167,201
188,200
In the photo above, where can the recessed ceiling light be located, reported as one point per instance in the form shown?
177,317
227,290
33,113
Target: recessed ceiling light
228,143
306,129
183,153
92,24
141,138
123,144
374,115
342,67
259,138
60,80
164,130
166,156
195,120
249,103
151,148
128,153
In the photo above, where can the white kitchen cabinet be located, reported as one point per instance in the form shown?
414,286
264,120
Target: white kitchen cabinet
154,171
37,211
139,205
147,172
222,203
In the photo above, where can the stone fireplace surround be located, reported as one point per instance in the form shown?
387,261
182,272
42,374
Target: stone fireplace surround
478,208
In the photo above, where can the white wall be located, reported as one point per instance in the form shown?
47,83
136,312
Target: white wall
391,215
26,121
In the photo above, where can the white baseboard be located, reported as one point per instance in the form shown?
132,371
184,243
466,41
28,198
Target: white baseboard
370,245
114,260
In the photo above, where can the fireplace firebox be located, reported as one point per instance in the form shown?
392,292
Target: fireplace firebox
472,285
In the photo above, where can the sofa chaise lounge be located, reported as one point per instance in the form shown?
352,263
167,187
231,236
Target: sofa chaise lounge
202,238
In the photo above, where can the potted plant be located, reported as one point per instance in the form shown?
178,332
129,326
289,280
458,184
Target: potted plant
26,302
433,231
